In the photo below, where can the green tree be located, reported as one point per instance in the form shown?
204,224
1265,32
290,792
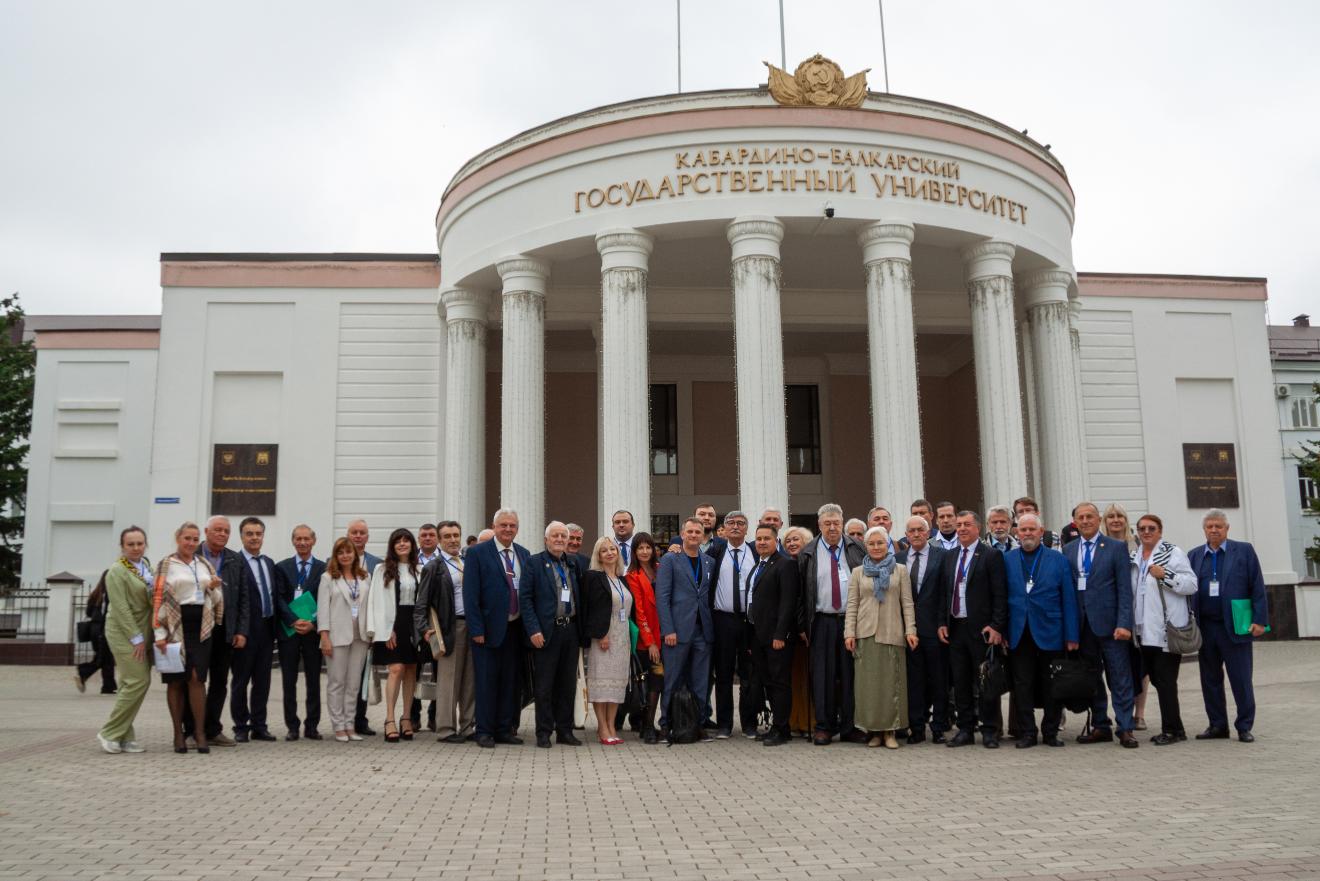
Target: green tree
18,361
1310,467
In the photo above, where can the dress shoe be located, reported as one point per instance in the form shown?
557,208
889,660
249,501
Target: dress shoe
543,741
1096,735
938,737
365,730
221,740
264,736
567,738
990,741
485,741
650,737
1026,742
342,738
355,737
131,746
916,738
774,738
705,737
453,738
962,738
709,725
240,737
509,739
1246,737
1053,740
1213,733
112,746
822,738
891,742
203,750
471,738
724,734
752,734
854,736
291,736
1164,738
313,735
1128,739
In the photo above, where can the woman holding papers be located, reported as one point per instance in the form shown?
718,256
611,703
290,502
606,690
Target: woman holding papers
127,625
186,602
341,618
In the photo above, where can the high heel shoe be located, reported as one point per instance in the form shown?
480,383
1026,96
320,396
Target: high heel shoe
407,733
204,750
391,736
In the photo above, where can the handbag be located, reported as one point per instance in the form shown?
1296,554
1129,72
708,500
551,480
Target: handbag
1185,640
85,631
1071,683
992,676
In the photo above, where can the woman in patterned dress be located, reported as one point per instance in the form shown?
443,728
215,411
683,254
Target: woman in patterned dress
609,606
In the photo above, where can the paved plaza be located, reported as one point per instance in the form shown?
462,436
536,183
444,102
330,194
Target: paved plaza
729,810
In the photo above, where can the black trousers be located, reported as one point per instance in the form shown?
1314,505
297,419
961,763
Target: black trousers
497,675
1031,678
252,666
217,686
831,675
966,652
554,672
928,686
103,660
307,648
1163,668
732,656
772,678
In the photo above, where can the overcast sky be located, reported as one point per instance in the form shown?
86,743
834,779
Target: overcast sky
1189,129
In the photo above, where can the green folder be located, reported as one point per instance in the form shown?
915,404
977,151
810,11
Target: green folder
1242,617
304,609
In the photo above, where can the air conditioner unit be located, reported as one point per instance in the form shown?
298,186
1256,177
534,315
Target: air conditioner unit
1281,391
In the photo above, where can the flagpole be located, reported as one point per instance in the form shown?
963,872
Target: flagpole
884,51
678,11
783,56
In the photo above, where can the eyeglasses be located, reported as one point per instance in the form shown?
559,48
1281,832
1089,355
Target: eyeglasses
1148,529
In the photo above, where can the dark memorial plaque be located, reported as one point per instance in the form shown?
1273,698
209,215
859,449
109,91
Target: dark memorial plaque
1211,474
243,478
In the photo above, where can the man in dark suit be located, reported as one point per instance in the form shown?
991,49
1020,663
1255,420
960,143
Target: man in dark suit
358,533
550,599
682,599
928,663
732,560
974,613
252,663
772,606
228,635
492,572
1102,571
823,570
1227,571
302,574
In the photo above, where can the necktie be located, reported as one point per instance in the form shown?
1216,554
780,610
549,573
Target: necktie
508,576
916,571
302,572
735,557
962,573
623,551
836,593
265,589
1086,558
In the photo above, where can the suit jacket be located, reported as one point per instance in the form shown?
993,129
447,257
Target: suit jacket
1240,578
595,622
289,568
538,595
853,552
1106,604
370,561
774,593
277,586
435,590
486,593
926,592
237,615
890,622
987,592
684,605
1050,608
334,610
718,553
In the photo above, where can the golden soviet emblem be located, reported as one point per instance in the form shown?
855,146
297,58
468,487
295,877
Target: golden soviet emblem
817,82
263,457
228,457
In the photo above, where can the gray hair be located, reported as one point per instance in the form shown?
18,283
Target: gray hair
733,515
829,509
295,529
555,524
772,511
876,530
1214,514
503,512
999,509
1026,515
573,527
916,518
214,518
854,522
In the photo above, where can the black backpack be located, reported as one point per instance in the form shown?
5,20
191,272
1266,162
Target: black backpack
684,717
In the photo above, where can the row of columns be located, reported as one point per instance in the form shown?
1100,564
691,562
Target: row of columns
762,432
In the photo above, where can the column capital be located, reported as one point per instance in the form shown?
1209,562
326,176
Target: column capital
886,239
464,304
1044,286
519,272
624,249
989,258
755,235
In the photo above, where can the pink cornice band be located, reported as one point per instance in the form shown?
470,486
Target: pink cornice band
1183,287
97,339
299,274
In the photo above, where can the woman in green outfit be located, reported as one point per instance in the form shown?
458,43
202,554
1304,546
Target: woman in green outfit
128,633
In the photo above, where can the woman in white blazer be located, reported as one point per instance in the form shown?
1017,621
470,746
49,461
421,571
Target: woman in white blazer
1162,579
341,617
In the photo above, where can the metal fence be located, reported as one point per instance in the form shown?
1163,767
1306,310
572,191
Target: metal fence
82,651
23,611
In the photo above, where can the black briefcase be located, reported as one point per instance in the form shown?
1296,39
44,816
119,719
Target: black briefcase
1071,683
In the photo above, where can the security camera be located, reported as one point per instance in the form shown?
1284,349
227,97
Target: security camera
829,210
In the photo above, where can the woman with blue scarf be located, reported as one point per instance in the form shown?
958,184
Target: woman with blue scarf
879,623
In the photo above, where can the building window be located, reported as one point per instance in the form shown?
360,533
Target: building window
803,412
1303,413
664,429
663,528
1312,570
1308,491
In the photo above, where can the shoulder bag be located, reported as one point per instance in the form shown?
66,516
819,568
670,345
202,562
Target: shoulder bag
1185,640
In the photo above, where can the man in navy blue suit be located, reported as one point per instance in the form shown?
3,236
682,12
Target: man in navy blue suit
491,576
550,598
252,663
928,663
1227,571
682,598
1042,621
1102,571
302,574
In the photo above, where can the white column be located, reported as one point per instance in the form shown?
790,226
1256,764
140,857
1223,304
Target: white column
625,445
892,339
1074,316
1045,295
464,467
522,394
989,268
759,354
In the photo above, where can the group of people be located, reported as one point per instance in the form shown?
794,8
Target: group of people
856,632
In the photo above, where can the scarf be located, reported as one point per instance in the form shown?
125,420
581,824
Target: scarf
879,574
167,612
1158,557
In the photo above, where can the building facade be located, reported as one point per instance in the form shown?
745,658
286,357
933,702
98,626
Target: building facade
1295,354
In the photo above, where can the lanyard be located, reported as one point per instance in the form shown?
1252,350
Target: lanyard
834,555
192,567
1031,576
353,591
963,557
695,563
618,588
737,561
1214,565
563,576
452,565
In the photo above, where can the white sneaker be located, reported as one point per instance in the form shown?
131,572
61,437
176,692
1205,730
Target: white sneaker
131,746
109,746
354,736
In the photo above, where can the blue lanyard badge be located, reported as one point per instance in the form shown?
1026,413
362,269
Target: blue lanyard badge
1031,575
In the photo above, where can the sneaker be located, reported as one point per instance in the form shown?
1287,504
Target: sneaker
110,746
752,734
705,737
131,746
723,734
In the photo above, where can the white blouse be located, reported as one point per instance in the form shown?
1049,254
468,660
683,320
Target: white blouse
1148,615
